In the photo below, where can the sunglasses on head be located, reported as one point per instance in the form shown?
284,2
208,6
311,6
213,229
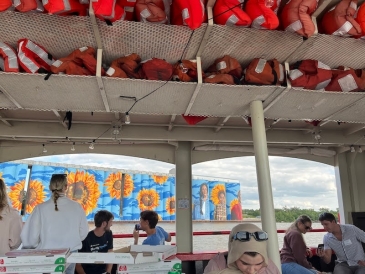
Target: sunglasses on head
245,236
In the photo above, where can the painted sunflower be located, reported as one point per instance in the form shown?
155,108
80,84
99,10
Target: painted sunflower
36,195
148,199
171,205
114,185
83,188
160,179
233,203
214,195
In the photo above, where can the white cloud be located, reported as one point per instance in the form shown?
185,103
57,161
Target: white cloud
295,182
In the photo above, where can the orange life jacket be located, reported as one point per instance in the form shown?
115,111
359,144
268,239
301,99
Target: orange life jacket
128,6
185,71
33,57
347,80
340,20
187,12
156,69
223,78
8,58
310,74
125,67
65,7
230,13
228,65
153,11
262,14
108,10
80,62
296,17
262,72
28,5
360,19
5,5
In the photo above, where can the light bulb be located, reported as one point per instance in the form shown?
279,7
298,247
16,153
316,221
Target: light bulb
127,119
352,149
92,145
44,149
360,149
73,147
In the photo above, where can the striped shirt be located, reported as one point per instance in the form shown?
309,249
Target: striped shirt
349,249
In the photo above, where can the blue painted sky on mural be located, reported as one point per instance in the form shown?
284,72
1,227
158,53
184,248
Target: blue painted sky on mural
295,182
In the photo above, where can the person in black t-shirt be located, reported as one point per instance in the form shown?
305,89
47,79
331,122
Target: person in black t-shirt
98,240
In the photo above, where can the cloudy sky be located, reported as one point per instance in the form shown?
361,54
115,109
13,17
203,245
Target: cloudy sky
295,182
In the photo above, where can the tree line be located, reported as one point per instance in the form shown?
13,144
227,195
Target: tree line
288,215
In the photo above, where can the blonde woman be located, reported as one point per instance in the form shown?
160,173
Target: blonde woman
293,255
247,253
10,223
57,223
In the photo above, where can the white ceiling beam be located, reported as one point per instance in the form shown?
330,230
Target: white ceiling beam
4,120
136,132
172,120
354,129
221,123
58,114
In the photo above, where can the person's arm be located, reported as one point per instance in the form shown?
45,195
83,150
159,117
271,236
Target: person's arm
79,269
14,233
135,236
30,235
110,249
360,234
297,245
166,235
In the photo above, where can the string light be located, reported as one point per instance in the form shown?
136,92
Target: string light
73,147
127,118
44,148
360,149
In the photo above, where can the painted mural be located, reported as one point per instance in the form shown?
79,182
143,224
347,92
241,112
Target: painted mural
125,195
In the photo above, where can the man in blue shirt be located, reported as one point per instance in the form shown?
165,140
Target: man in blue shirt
156,235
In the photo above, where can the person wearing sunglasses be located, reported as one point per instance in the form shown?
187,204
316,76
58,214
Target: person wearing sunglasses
247,252
294,253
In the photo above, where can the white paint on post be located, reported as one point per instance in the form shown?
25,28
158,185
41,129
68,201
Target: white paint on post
264,180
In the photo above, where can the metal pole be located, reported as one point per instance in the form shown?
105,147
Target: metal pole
264,180
184,224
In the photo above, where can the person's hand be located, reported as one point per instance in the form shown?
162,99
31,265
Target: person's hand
309,253
320,252
135,236
361,263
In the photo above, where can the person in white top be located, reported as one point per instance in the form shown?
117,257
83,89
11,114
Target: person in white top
10,223
56,223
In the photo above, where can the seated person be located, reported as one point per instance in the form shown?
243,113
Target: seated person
345,241
247,252
98,240
156,235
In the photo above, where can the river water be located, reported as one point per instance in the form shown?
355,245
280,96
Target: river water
211,242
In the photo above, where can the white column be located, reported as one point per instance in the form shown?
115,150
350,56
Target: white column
264,180
184,224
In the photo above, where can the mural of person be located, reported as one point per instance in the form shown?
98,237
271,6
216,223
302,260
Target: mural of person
236,207
220,212
201,205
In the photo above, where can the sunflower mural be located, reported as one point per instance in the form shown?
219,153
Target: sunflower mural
35,196
148,199
233,204
159,179
114,185
171,205
218,197
83,188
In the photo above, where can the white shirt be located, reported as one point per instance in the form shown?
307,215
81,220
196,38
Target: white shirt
203,207
47,228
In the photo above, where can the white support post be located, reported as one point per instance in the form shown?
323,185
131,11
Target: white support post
264,180
184,224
